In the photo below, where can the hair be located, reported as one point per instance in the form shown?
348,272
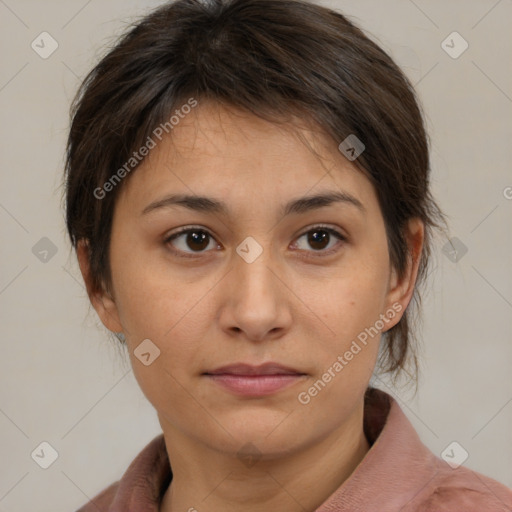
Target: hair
271,58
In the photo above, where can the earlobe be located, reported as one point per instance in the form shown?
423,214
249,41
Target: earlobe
402,287
101,300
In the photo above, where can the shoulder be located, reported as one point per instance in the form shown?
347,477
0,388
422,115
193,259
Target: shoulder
141,485
410,477
461,489
101,502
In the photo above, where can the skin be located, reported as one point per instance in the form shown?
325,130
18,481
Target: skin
291,305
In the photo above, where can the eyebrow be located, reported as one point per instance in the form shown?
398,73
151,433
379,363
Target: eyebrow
295,206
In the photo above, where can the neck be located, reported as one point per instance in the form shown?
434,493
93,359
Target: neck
208,481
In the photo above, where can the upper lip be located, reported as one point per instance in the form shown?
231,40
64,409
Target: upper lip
248,369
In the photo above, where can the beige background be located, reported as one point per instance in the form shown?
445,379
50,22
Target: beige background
61,380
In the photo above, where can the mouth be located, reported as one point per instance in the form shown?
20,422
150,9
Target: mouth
254,381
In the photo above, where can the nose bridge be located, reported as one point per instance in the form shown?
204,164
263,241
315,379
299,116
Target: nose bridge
257,304
253,264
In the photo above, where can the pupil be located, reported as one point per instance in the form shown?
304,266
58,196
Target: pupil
198,239
316,237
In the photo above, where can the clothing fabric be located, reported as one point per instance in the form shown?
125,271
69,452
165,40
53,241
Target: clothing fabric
399,473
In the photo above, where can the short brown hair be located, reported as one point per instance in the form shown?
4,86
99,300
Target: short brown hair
272,58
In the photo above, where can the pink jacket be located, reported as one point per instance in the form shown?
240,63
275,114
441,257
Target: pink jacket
399,473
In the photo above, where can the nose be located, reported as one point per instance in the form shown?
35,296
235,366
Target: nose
257,303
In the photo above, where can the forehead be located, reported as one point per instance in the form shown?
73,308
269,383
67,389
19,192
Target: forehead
234,154
211,128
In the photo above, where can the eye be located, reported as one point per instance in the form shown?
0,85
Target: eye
320,238
196,239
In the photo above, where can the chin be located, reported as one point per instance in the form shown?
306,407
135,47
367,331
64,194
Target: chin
269,431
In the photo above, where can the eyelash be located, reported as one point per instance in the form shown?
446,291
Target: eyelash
188,229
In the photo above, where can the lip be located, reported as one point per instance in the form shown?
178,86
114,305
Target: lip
254,380
248,369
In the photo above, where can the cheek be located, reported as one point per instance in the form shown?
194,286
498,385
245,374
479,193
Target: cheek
347,353
350,300
149,298
154,307
176,326
172,319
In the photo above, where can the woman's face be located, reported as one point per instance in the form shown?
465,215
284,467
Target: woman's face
264,276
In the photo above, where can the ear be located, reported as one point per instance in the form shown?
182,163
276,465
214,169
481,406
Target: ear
401,289
101,300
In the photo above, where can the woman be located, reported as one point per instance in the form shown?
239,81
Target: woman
290,150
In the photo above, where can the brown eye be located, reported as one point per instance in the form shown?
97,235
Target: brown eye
320,240
191,240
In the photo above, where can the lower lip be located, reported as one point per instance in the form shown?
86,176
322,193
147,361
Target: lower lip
255,385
